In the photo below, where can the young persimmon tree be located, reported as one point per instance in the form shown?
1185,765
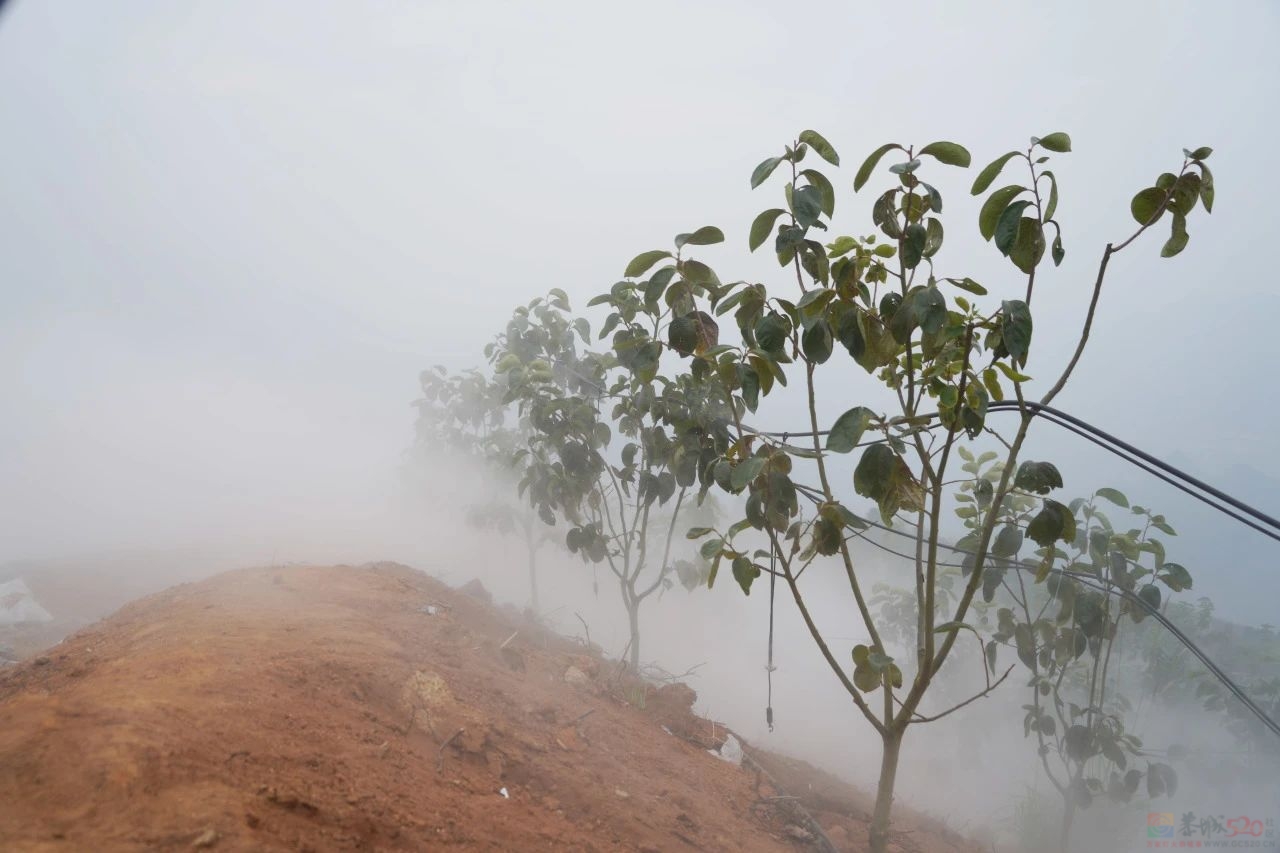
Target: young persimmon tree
464,414
599,455
1065,611
931,341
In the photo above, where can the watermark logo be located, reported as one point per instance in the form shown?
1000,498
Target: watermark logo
1167,830
1159,824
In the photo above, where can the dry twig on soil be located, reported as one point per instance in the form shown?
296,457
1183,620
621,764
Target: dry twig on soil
443,747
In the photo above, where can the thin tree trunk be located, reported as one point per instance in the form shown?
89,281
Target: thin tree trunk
1068,817
533,578
633,617
879,834
531,545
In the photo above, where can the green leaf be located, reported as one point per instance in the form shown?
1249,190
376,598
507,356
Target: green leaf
1058,252
763,171
1185,192
744,572
1052,207
1025,644
558,298
991,379
1007,541
772,332
682,334
850,335
807,205
1147,205
935,197
933,237
879,661
704,236
1016,329
711,548
969,286
696,272
1201,153
763,372
1053,522
865,678
1175,576
994,206
658,283
1116,497
746,471
847,431
750,388
1059,142
1178,239
1079,742
714,570
1011,374
827,536
902,319
698,532
913,244
842,245
762,227
641,263
1028,247
825,190
1038,477
1008,226
814,301
871,477
790,238
949,153
991,579
869,165
931,309
816,141
1206,188
885,215
1161,779
816,343
1150,595
989,174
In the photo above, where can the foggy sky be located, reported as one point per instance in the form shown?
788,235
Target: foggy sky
232,233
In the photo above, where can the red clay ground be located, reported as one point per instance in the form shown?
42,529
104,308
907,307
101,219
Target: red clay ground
374,708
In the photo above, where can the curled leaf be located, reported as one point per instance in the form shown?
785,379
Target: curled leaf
816,141
950,153
993,169
869,165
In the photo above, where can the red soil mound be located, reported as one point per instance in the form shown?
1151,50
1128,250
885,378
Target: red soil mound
375,708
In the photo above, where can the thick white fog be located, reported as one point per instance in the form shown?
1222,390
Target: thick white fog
233,233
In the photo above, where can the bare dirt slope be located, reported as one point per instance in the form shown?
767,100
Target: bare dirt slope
339,708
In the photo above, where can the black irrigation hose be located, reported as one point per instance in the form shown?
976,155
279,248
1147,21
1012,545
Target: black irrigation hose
1140,459
1179,479
1089,581
1157,473
1148,463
